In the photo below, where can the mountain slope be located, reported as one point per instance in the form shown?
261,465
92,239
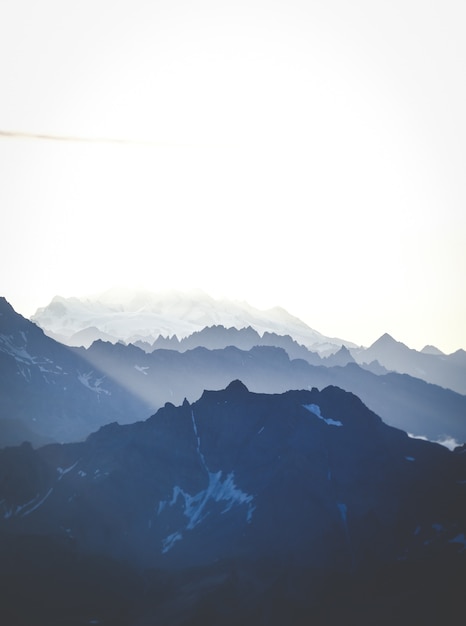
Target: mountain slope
48,392
257,498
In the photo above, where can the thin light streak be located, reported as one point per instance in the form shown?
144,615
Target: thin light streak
11,134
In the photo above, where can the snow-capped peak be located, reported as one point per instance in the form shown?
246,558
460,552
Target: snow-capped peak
129,315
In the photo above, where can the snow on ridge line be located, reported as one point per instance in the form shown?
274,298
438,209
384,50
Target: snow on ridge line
315,409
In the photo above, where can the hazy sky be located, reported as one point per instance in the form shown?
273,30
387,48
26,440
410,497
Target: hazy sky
310,154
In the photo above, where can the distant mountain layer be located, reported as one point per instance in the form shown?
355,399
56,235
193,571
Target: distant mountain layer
383,356
430,365
50,392
183,321
133,316
239,508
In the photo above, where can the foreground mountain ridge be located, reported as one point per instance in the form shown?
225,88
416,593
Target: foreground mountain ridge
266,500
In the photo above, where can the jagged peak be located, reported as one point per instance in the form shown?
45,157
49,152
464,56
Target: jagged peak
387,340
237,386
432,350
343,350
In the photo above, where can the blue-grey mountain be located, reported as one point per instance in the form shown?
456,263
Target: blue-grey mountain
297,508
50,392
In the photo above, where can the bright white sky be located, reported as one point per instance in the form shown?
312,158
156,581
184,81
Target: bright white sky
310,154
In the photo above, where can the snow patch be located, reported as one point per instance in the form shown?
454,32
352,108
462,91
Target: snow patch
36,506
447,442
62,472
86,380
195,507
170,541
218,490
8,345
198,443
315,409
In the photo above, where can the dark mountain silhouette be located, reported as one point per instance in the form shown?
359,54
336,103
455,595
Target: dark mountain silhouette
297,508
430,365
48,392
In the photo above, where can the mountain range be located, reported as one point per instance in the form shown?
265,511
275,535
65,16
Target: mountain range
129,315
429,364
51,392
383,356
230,473
297,508
183,321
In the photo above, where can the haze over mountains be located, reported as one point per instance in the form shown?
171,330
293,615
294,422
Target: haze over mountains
182,321
129,315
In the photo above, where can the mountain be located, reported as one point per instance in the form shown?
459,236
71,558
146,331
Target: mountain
185,320
134,316
340,358
401,400
87,336
218,337
297,508
50,393
430,364
432,350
